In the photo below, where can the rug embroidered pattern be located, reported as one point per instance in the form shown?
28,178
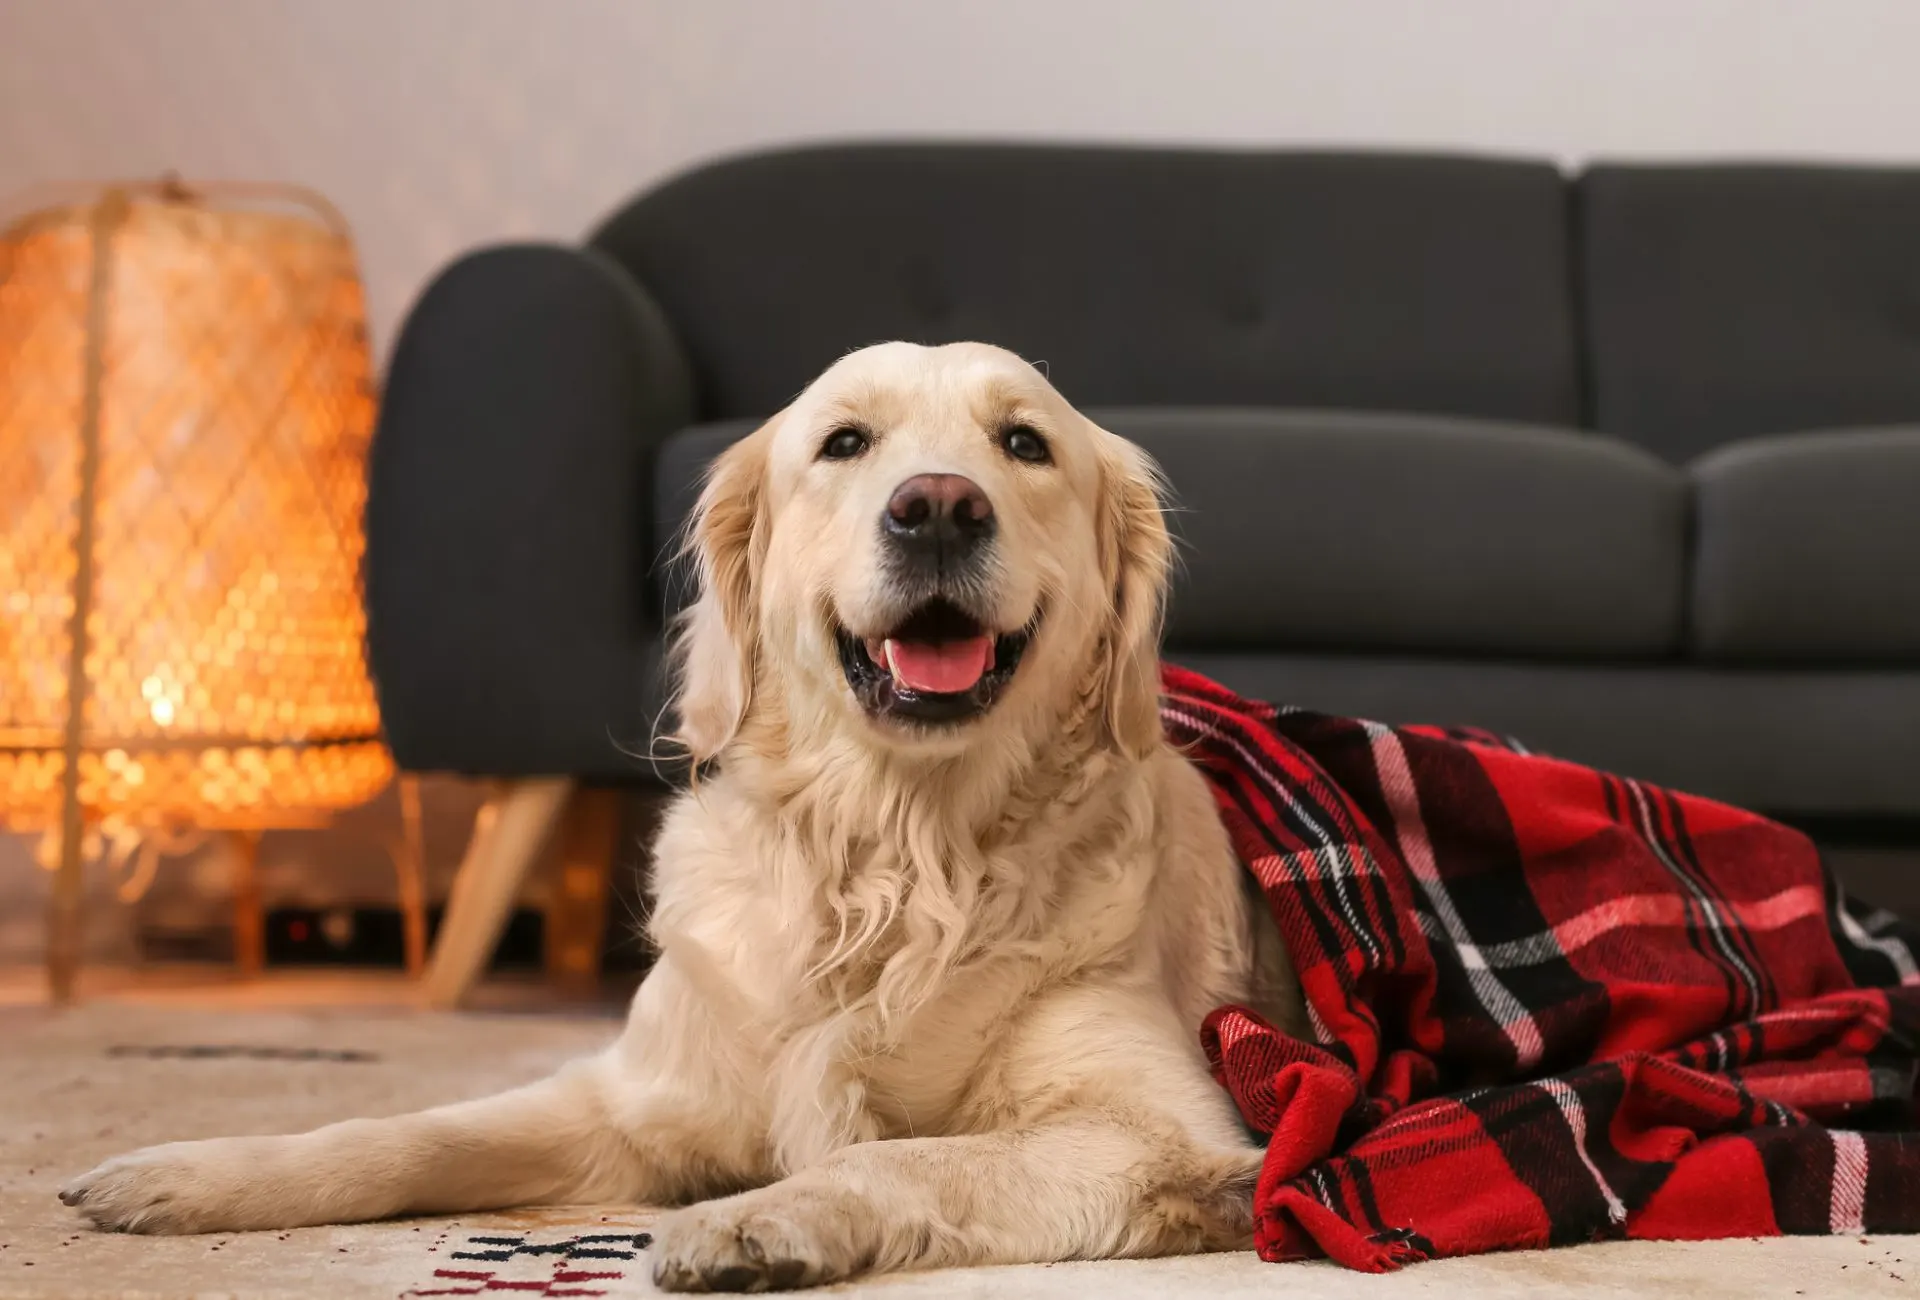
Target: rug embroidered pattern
581,1265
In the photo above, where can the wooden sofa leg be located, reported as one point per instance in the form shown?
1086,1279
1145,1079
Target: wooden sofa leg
410,873
576,919
249,914
508,835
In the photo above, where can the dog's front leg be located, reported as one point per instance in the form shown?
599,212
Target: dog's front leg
1088,1184
616,1127
544,1141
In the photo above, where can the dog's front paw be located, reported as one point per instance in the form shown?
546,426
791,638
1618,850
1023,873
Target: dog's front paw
181,1187
773,1239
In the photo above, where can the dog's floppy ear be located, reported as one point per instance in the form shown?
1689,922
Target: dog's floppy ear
1137,559
715,639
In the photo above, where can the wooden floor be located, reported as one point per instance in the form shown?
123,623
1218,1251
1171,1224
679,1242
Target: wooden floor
187,985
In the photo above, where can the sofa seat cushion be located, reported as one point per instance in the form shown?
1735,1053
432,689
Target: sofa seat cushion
1834,742
679,471
1808,549
1305,529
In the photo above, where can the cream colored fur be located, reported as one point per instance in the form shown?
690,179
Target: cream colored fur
923,997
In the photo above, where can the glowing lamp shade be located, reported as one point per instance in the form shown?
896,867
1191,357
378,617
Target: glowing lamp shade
185,408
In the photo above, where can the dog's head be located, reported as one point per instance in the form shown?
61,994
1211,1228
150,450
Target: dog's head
927,547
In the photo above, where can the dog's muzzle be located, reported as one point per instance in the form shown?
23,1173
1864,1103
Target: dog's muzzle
939,662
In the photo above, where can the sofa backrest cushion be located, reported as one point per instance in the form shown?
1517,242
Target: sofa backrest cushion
1140,276
1728,301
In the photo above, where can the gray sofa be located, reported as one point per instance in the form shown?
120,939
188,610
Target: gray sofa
1625,463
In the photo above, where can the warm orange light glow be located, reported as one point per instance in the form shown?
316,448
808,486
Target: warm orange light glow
225,679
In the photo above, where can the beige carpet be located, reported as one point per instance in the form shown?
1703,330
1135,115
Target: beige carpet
83,1085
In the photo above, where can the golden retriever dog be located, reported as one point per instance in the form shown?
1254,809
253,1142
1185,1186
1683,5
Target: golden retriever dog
938,920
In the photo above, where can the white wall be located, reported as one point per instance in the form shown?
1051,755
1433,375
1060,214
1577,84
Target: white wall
438,124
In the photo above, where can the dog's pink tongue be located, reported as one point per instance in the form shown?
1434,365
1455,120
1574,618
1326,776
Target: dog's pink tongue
943,668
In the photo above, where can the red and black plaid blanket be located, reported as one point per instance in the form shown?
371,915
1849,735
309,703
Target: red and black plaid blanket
1550,1005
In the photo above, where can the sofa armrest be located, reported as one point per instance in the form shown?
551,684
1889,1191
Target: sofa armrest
509,624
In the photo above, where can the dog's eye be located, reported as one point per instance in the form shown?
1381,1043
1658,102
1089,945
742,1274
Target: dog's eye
1024,443
843,444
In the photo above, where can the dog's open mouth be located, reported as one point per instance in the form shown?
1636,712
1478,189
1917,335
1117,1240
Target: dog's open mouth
940,665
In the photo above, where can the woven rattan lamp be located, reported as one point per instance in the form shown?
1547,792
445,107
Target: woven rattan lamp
185,408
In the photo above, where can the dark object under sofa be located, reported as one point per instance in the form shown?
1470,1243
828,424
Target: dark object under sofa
1626,463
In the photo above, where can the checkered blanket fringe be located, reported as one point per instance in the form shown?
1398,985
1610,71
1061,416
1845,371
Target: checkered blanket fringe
1550,1005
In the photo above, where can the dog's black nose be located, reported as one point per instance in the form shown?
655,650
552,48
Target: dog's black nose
941,517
